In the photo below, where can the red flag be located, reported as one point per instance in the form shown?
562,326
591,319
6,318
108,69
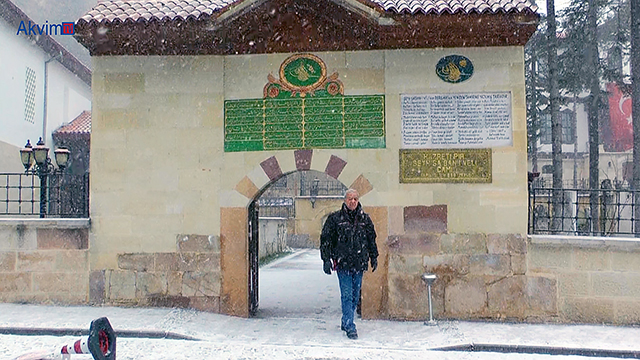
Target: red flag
620,123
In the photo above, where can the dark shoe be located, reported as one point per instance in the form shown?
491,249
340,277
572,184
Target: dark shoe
353,335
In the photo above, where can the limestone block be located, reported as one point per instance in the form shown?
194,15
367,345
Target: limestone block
121,285
72,283
62,238
233,262
587,310
396,222
506,298
425,219
625,261
148,283
61,298
15,282
575,283
363,81
518,264
167,262
174,283
72,261
198,243
97,282
17,237
194,261
43,261
408,297
463,243
615,284
205,303
497,244
511,219
364,59
447,266
7,261
466,298
124,83
490,264
542,295
516,244
627,312
405,264
139,262
591,259
201,284
546,258
170,301
247,188
422,243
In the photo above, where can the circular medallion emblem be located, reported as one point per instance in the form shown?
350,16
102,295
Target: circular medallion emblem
454,69
304,71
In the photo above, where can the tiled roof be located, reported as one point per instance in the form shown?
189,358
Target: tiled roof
79,125
145,10
455,6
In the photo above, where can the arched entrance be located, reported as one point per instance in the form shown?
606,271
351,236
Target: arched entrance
285,221
236,225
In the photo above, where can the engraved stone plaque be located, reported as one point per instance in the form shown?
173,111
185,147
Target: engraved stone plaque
445,166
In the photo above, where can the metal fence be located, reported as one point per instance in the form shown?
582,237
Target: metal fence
602,212
66,196
325,188
281,207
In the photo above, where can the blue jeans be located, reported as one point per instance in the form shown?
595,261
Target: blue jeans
350,283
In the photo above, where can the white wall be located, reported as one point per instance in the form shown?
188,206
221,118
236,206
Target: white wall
68,95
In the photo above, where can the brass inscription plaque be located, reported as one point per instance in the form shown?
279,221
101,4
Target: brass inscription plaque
445,166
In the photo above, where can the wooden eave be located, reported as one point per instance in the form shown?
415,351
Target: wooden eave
287,26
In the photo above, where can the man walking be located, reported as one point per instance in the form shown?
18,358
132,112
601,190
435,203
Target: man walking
347,244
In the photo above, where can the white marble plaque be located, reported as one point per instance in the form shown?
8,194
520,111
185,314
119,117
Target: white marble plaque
441,121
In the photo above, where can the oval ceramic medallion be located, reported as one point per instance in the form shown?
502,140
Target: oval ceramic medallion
303,71
454,69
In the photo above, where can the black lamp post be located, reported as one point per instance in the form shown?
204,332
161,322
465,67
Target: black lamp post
36,161
314,192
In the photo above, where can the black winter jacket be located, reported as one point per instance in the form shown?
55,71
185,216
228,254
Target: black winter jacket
349,238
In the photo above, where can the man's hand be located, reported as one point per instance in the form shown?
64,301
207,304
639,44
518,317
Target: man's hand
327,267
374,264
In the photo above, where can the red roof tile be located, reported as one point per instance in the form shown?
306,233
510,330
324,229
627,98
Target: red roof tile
455,6
146,10
79,125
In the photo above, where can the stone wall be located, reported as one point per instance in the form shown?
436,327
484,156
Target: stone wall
478,275
596,280
188,278
44,261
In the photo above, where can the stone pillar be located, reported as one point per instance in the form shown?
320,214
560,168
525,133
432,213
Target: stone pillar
234,261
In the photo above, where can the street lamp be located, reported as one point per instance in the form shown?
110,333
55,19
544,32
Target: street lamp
314,192
36,161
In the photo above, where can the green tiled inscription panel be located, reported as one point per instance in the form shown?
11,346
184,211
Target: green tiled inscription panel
302,123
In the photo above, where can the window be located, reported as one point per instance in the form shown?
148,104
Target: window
568,128
30,95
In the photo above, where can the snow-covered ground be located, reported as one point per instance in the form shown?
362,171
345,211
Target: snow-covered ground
301,324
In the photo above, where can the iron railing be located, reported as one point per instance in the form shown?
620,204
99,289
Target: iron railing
282,207
67,196
325,188
612,215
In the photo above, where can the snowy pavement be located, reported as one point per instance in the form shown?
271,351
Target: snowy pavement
296,329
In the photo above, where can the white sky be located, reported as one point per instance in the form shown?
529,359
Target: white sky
560,4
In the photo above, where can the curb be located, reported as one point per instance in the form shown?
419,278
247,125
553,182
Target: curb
84,332
547,350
